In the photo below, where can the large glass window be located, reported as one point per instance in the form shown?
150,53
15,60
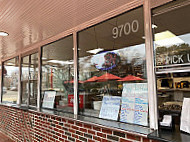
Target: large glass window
10,80
112,69
29,79
172,57
58,75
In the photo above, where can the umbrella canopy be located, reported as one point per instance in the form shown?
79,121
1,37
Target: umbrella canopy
93,79
130,78
107,76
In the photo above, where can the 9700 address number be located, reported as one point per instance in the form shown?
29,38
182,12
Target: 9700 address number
125,29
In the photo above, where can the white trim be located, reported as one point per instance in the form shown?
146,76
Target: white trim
75,54
19,80
1,82
153,108
39,77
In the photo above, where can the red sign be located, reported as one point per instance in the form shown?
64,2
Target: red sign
71,100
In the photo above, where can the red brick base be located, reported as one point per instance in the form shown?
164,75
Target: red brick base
30,126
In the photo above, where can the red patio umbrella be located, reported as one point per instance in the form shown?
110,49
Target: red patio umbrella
130,78
107,76
93,79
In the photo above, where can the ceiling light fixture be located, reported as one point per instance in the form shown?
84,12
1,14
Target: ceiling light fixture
95,51
3,33
61,62
43,58
167,38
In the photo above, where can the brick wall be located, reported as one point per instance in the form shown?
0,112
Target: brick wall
28,126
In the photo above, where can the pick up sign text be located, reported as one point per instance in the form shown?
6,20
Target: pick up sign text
172,59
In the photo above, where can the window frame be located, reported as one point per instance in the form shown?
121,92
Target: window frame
39,101
2,80
20,75
170,68
149,56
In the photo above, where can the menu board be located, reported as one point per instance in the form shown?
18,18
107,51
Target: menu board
110,107
49,99
134,107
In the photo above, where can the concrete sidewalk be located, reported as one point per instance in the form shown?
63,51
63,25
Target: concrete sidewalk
4,138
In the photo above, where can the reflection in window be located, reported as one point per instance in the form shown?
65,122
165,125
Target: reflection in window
10,80
112,60
58,75
29,79
172,57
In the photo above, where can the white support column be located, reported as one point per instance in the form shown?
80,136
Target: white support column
1,82
39,78
75,74
153,111
19,80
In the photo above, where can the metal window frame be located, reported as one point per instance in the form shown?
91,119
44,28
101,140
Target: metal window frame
152,97
76,95
39,78
153,108
153,112
19,82
1,83
21,56
1,77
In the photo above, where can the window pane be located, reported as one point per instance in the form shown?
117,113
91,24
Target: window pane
10,80
111,60
33,79
172,50
29,79
25,79
58,75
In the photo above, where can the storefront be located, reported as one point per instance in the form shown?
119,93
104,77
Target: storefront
122,76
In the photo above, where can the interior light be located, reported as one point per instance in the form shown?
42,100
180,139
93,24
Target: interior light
11,64
3,33
167,38
60,62
95,51
44,58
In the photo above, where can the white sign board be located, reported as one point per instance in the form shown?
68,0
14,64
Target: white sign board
110,107
134,107
49,99
185,116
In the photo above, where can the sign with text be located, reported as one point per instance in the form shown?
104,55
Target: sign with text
172,59
185,116
71,100
110,107
134,107
49,99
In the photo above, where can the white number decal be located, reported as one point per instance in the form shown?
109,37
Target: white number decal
115,32
126,28
135,23
120,27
